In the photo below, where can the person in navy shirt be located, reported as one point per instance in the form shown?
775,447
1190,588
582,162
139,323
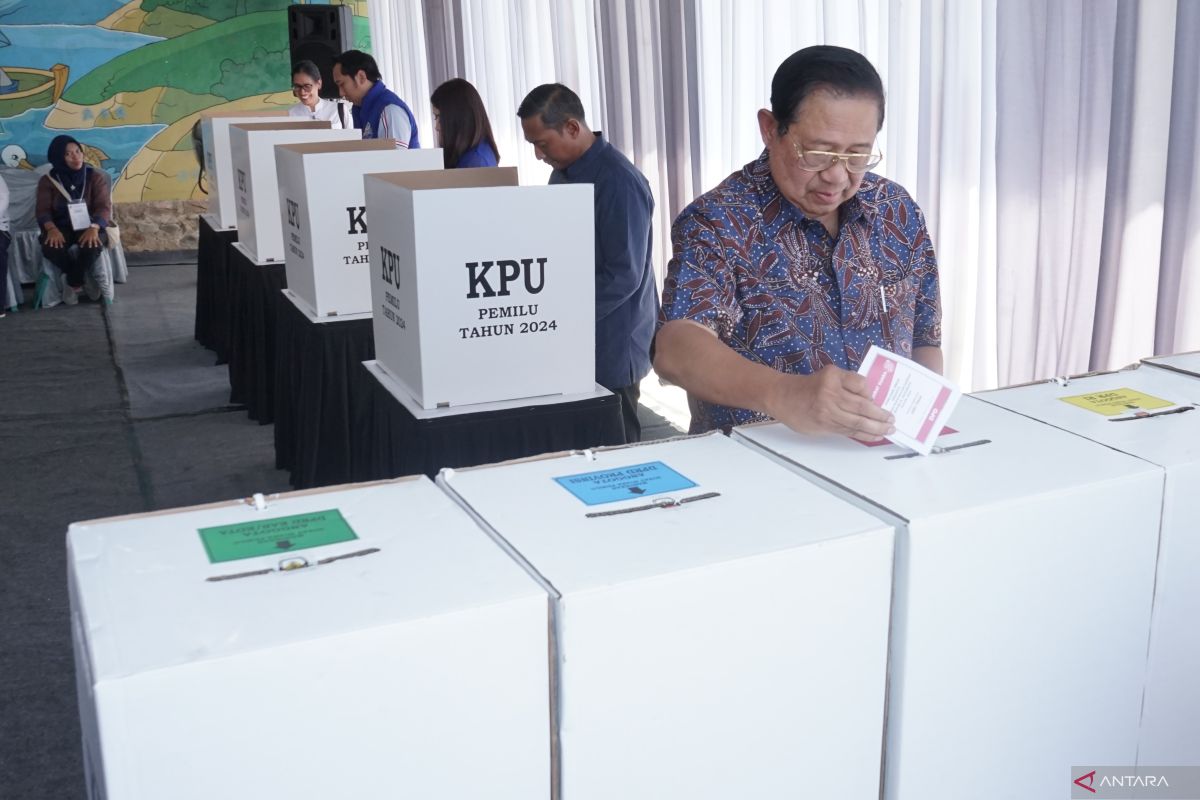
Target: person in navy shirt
626,297
461,125
377,111
785,274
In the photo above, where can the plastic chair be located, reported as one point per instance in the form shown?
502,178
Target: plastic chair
98,282
14,294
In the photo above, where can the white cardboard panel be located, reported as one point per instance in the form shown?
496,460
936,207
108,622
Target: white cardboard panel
324,219
483,293
732,646
218,163
1171,711
1024,575
370,676
1188,363
256,184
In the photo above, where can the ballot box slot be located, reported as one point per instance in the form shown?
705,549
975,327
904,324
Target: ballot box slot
292,564
1140,415
662,502
938,450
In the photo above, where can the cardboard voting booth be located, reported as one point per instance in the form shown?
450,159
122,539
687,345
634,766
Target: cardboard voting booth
256,184
368,641
1152,414
324,219
218,163
1185,363
1024,567
720,625
482,290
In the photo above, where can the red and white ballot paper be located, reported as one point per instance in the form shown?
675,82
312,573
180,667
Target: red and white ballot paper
920,400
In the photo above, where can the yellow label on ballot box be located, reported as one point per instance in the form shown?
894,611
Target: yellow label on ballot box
1117,401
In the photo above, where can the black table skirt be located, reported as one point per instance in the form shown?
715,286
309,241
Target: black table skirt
390,442
212,288
255,293
315,365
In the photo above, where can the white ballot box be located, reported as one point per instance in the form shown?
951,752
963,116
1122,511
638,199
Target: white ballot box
720,625
256,184
324,219
482,290
1152,414
1186,363
218,164
366,641
1024,567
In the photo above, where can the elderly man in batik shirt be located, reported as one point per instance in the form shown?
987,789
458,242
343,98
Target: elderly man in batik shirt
786,273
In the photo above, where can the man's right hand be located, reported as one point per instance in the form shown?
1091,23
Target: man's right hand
55,239
830,401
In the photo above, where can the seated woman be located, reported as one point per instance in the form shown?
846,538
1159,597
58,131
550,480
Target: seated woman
73,208
461,125
306,86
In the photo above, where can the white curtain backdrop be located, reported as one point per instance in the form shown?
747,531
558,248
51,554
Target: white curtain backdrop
1053,145
398,45
1179,287
1050,144
1134,233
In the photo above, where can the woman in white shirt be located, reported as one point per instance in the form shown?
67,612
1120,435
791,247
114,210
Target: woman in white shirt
306,86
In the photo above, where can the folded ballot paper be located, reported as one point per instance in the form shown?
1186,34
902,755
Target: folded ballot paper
920,399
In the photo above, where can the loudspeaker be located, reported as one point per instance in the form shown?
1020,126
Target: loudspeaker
320,34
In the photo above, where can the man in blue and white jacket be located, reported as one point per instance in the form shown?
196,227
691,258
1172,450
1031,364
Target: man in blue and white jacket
378,112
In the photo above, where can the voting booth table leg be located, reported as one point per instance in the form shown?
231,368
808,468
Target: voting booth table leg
390,440
212,295
315,364
255,300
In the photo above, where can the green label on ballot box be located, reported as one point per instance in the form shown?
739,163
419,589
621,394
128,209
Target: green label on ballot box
279,535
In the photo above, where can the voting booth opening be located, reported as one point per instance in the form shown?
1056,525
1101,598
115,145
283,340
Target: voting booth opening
1152,413
218,162
1025,563
720,625
368,641
482,290
324,217
256,182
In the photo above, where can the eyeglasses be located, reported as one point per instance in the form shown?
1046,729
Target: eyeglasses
303,87
820,160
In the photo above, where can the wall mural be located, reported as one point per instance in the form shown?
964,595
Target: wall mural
129,80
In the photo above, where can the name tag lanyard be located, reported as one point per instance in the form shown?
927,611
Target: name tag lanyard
77,209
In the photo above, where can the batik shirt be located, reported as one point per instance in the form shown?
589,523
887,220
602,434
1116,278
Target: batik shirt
778,289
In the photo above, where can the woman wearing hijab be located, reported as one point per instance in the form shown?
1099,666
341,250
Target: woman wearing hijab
461,125
306,86
73,208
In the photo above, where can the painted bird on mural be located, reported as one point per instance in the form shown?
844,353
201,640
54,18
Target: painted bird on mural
14,156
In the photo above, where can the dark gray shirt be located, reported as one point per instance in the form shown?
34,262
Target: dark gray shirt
626,297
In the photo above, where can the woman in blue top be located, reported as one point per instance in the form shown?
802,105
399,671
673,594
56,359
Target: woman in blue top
461,125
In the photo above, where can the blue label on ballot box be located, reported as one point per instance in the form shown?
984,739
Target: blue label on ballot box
624,483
